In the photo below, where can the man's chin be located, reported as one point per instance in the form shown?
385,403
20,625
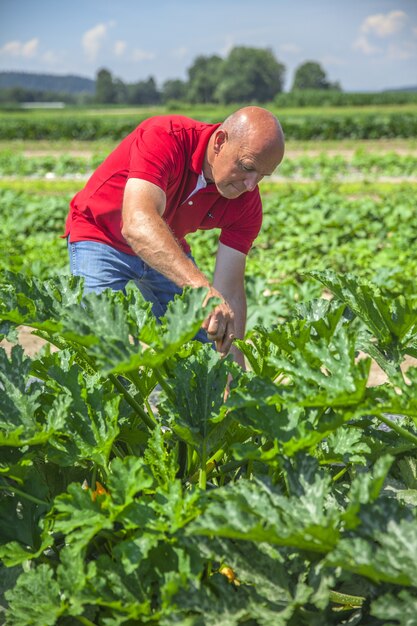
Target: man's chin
230,192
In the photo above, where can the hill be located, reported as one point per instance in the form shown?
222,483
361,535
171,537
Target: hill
412,88
47,82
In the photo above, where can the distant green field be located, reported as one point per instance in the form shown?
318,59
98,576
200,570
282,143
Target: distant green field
315,124
201,111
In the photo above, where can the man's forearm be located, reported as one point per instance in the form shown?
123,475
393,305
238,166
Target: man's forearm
151,239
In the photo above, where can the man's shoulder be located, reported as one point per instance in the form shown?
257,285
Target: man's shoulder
175,123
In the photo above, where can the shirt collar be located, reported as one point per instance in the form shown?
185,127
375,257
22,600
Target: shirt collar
197,159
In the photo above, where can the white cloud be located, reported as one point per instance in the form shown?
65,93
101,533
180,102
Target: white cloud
142,55
384,25
93,39
120,48
11,48
362,44
16,48
289,48
30,48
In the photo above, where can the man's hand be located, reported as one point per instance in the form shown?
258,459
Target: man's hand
220,324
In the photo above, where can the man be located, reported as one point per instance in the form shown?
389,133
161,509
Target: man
169,177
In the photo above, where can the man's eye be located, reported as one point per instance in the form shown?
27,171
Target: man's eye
247,168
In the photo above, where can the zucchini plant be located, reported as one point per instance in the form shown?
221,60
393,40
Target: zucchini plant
292,501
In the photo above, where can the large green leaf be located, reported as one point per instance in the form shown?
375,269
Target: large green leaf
119,340
90,426
346,445
194,410
390,556
127,478
223,604
393,321
270,410
35,600
111,327
315,358
401,608
257,349
323,371
323,315
79,516
161,460
365,489
112,588
19,403
258,512
36,303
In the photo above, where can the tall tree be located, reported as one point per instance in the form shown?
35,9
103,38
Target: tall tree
204,76
310,75
174,89
105,88
120,91
143,92
250,75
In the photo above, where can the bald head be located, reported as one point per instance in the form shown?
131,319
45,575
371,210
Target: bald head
246,147
257,127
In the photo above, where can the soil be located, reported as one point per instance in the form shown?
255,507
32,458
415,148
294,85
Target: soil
29,342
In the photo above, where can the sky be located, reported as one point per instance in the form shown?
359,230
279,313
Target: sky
365,45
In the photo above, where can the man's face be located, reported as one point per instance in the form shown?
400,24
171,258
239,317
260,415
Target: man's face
239,166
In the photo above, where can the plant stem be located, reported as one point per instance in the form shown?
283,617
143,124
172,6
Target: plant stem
182,459
135,405
340,474
84,620
94,477
398,429
149,408
249,469
161,380
347,600
117,451
27,496
210,465
203,470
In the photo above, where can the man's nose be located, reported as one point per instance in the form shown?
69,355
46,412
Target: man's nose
251,180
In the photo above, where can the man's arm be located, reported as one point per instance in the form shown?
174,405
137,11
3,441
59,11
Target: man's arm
229,280
152,240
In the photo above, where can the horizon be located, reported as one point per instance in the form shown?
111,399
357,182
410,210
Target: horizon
55,75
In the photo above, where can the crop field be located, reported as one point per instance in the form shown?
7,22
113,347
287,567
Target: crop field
132,489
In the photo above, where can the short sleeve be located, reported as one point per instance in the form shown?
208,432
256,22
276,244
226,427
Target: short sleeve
154,156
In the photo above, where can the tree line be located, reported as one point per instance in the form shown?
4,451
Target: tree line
245,75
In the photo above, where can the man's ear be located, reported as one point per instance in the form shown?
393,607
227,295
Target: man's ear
220,139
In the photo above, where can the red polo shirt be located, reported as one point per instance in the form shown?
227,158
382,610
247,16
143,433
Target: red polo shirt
169,152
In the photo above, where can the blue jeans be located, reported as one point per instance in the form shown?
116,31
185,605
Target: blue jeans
105,267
